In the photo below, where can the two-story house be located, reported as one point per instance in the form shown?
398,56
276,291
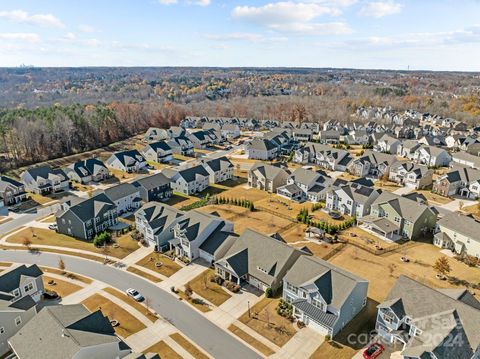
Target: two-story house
424,322
411,175
188,180
21,288
125,197
372,163
68,331
155,134
159,152
262,149
267,177
181,145
154,188
230,130
87,218
199,235
324,297
352,199
387,144
432,156
44,180
127,161
395,217
11,191
304,184
459,233
219,169
462,181
257,259
155,222
87,171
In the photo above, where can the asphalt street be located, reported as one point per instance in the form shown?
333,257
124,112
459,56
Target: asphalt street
204,333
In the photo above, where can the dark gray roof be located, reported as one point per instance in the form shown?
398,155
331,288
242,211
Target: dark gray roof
90,208
8,182
188,174
120,191
154,181
45,171
61,332
220,163
10,279
162,145
326,318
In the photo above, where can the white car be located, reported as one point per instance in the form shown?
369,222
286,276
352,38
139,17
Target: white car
135,294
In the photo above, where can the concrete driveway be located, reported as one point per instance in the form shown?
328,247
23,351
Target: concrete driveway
200,330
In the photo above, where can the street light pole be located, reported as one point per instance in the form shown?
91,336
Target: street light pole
248,303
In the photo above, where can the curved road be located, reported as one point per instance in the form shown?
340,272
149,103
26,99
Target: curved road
211,338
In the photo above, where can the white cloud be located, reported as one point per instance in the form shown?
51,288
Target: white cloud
380,9
191,2
244,36
20,36
69,36
20,16
296,17
86,28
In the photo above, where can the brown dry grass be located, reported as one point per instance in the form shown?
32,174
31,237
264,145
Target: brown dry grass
128,324
143,274
247,338
168,267
132,302
265,321
63,288
201,307
433,197
163,350
188,346
211,291
67,274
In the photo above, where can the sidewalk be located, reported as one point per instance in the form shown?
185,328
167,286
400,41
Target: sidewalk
302,345
94,288
183,276
139,254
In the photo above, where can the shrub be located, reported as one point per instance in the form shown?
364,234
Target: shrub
102,238
188,290
268,292
198,301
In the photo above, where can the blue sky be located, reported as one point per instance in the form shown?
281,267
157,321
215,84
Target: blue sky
390,34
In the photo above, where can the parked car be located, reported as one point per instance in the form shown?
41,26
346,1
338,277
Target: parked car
135,294
53,226
373,351
334,215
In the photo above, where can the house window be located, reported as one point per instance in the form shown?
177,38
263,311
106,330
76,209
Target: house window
28,287
16,293
18,321
292,288
318,303
2,330
388,317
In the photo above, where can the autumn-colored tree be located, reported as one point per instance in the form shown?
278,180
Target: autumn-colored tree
442,266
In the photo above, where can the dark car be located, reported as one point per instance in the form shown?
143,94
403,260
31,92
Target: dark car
334,215
373,351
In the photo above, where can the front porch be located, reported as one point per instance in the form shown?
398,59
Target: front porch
381,228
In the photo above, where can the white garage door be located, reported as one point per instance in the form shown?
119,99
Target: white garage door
256,283
316,326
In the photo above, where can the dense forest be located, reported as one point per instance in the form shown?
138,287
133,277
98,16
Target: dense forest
50,112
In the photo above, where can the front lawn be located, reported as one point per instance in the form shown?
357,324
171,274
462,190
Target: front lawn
127,323
247,338
211,291
188,346
167,266
163,350
47,237
61,287
265,321
132,302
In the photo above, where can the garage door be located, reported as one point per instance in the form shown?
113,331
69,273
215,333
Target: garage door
256,283
316,326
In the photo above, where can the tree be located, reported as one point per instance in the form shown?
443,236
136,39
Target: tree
442,265
101,239
27,242
61,265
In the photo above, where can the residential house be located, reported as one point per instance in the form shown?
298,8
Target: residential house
127,161
21,288
200,139
324,297
395,217
159,152
11,191
267,177
302,135
323,155
68,331
352,199
371,163
219,169
411,175
181,145
407,149
462,181
87,171
200,235
154,188
387,144
304,184
155,222
87,218
257,259
230,131
432,156
430,323
125,197
466,159
329,137
188,180
459,233
44,180
155,134
262,149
